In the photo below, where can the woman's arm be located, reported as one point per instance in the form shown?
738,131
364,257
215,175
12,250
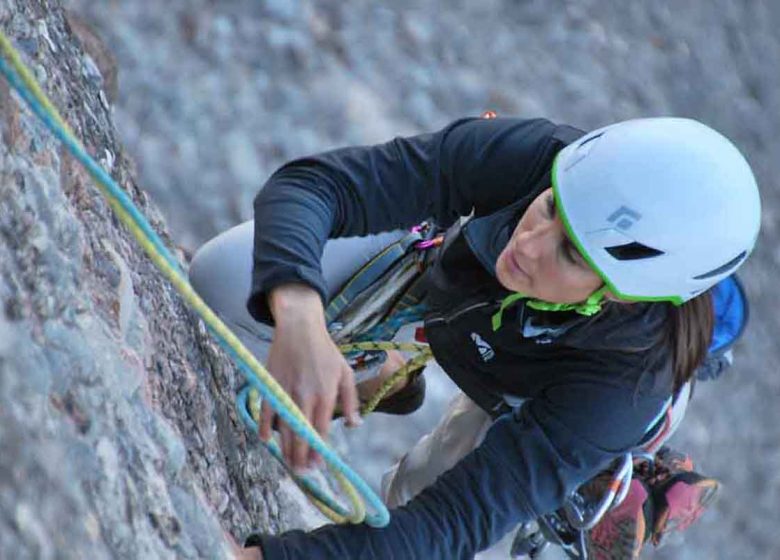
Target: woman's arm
473,164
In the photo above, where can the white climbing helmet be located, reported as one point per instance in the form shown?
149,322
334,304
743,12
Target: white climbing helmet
661,208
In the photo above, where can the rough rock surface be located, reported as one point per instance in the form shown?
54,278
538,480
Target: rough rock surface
211,97
118,436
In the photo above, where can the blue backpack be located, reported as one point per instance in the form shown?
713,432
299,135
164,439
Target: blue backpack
731,311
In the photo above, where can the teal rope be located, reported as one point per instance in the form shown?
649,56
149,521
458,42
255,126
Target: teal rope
75,148
242,401
382,517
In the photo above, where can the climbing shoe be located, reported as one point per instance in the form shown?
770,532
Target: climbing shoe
665,496
406,400
622,531
679,494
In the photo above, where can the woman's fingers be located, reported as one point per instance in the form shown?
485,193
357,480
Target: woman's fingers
321,419
309,366
348,396
254,553
285,442
266,420
299,447
318,410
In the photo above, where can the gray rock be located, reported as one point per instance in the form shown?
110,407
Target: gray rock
294,78
112,399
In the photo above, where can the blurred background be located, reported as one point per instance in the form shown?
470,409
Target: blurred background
211,96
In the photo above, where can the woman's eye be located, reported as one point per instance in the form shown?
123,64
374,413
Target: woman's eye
570,253
551,206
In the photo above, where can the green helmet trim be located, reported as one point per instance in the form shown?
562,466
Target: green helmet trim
676,300
589,307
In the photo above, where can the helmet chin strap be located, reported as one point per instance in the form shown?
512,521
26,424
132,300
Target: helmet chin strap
589,307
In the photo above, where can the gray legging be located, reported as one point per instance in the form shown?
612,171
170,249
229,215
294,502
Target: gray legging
221,273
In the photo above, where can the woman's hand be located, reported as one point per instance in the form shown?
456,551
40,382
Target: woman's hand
241,553
254,553
309,366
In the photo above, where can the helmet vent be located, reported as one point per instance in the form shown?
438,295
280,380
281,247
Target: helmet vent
591,139
733,263
632,251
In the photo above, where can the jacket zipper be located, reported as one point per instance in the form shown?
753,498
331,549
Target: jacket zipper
454,315
448,319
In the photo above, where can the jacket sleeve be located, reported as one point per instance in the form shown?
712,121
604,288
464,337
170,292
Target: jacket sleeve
529,462
472,164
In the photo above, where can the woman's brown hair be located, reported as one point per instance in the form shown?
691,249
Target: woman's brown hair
689,333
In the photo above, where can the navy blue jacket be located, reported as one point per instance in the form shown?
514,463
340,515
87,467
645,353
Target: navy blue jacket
593,385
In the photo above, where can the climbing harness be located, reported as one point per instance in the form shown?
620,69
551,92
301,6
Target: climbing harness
259,380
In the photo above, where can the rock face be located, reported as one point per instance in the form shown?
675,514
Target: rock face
118,437
117,434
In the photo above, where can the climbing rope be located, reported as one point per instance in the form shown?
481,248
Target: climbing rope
423,354
248,400
260,382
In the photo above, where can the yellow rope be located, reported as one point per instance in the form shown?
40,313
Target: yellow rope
403,373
